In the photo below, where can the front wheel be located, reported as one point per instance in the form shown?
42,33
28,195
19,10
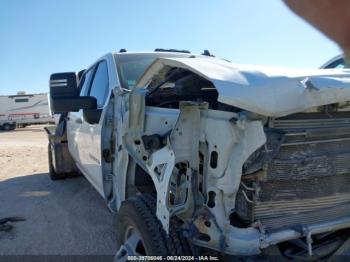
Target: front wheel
139,231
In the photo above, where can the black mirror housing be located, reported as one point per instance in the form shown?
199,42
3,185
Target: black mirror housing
64,84
92,116
64,94
74,104
63,87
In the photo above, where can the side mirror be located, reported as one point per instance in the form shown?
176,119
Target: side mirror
64,94
64,84
74,104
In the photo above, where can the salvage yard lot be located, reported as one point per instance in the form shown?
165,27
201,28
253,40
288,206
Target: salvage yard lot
62,218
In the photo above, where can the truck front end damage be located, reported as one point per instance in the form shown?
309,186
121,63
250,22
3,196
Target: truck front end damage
243,173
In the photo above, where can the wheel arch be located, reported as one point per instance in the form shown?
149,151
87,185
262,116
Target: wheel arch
138,180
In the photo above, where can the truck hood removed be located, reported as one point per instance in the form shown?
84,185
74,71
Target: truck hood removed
268,91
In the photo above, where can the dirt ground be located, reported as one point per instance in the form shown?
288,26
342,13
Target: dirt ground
65,217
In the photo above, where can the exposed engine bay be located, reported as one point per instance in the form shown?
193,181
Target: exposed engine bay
238,180
180,85
306,179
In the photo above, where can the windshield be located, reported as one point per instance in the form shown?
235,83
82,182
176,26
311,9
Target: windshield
131,66
340,63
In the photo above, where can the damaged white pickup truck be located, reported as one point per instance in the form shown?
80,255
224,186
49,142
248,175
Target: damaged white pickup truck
196,153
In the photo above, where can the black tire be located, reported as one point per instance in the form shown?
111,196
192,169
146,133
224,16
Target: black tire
135,216
176,242
7,127
139,212
52,173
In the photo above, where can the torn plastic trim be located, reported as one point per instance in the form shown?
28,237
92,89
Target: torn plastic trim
271,92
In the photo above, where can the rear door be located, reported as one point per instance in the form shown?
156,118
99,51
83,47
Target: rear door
90,138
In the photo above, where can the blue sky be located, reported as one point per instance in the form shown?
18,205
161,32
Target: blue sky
39,37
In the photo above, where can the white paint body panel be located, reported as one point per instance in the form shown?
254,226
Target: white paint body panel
84,139
267,91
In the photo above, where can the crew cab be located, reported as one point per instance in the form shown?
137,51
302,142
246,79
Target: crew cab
196,153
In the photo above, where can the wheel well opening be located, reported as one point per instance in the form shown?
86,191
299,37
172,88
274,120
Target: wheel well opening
143,181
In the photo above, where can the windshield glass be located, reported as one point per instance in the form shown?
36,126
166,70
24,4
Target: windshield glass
131,66
340,63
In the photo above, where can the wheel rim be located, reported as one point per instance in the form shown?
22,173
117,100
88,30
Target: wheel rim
132,245
7,127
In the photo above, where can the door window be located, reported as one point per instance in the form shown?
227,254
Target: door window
85,83
100,84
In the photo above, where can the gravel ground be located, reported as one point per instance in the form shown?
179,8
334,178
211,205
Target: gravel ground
65,217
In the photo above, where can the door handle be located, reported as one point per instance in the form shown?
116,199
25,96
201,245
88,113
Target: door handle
79,121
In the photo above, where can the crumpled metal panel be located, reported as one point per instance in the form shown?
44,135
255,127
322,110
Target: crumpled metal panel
267,91
308,180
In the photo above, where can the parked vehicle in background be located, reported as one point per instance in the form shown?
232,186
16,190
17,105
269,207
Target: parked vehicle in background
197,153
336,62
26,109
6,124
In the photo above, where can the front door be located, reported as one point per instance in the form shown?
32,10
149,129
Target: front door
90,144
75,121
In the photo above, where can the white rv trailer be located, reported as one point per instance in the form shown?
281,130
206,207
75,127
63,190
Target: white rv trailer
26,109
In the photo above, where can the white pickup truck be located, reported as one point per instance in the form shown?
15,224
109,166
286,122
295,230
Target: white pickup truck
197,154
